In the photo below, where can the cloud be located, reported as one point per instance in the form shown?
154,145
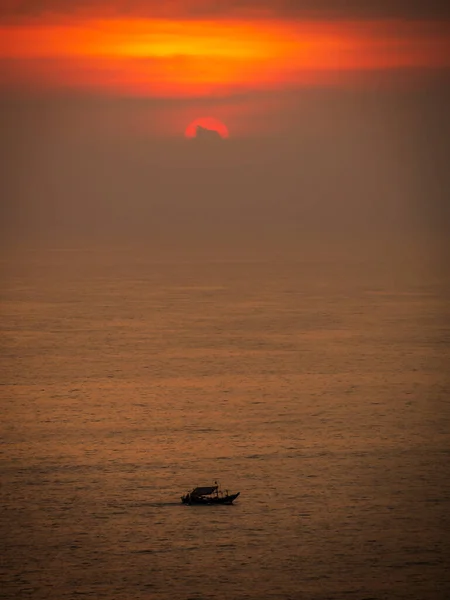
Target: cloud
203,133
13,10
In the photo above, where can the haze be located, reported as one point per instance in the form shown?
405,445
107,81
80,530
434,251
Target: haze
333,161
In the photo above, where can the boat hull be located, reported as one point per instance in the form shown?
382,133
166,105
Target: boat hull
204,500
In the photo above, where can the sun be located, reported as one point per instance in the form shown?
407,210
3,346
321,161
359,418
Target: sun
206,125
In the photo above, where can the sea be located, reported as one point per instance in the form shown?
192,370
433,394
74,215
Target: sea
316,384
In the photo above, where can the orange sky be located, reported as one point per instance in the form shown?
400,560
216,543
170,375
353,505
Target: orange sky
173,57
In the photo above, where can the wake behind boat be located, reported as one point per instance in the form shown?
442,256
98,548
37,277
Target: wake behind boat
208,495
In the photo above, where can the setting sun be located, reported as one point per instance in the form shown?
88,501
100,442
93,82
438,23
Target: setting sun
210,124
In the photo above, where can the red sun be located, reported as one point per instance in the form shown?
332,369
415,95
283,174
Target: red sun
209,123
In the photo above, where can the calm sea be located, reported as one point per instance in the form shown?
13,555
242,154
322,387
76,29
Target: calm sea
315,385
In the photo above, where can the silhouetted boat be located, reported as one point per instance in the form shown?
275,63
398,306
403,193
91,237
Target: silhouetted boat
208,495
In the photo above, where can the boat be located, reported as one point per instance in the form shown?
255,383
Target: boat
208,495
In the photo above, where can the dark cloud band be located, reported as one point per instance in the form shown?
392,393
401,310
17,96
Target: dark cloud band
188,9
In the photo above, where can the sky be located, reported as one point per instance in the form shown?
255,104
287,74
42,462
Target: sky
201,48
334,112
